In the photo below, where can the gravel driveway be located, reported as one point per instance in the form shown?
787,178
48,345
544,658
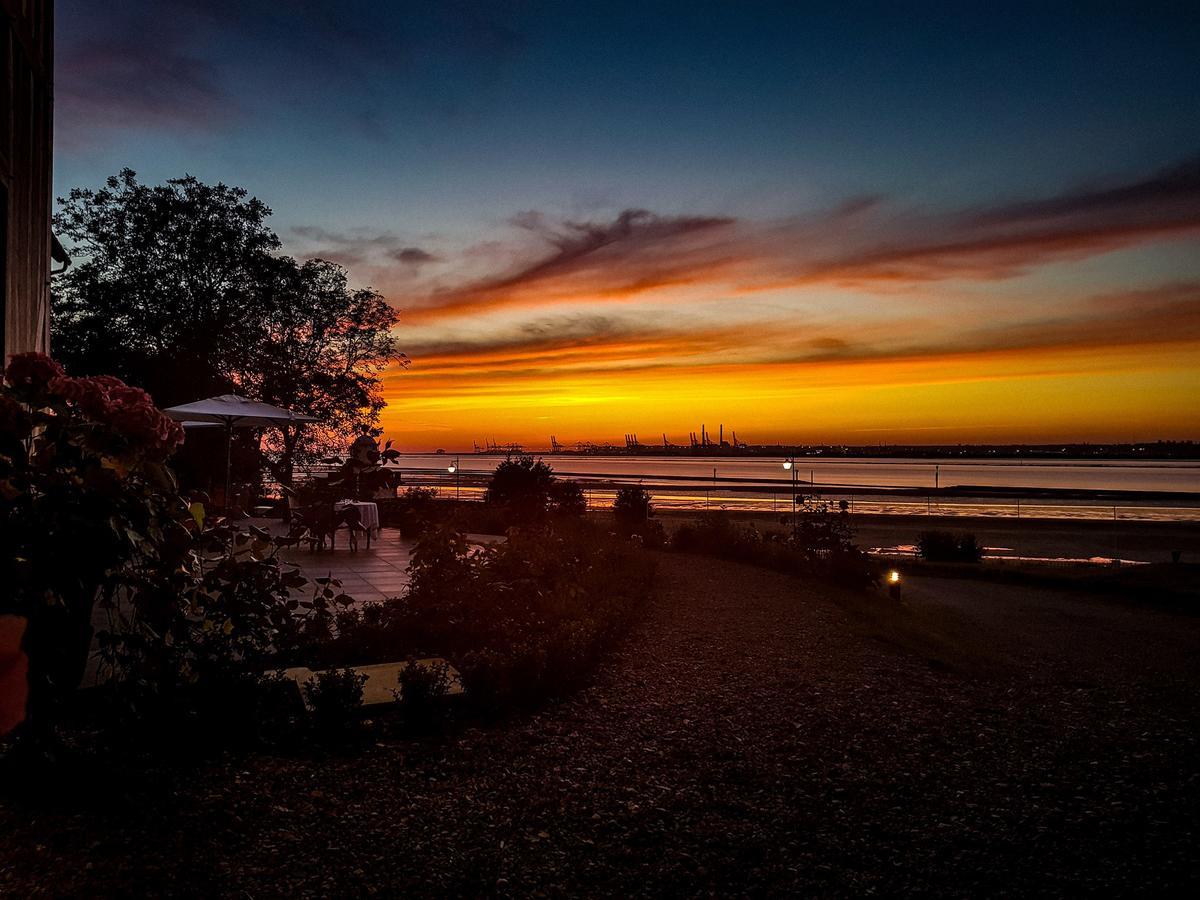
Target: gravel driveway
754,735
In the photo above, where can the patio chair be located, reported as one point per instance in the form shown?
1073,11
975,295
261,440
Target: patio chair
319,522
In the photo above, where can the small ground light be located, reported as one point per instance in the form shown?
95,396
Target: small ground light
893,580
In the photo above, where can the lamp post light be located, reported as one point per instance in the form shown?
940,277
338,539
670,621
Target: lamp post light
453,470
893,581
789,465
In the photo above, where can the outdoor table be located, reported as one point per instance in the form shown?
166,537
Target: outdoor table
368,513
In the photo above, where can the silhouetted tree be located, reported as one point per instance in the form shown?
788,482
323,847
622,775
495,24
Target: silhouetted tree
180,290
172,290
329,345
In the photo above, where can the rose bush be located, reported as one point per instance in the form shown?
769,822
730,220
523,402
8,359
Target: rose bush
90,514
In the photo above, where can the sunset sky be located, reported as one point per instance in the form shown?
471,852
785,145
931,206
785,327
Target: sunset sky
836,223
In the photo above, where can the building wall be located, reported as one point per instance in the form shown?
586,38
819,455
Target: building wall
26,128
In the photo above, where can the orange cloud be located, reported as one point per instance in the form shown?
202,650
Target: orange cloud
1165,314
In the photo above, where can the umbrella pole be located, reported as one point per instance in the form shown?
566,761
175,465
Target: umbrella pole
228,467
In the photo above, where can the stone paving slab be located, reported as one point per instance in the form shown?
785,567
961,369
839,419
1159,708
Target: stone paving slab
369,576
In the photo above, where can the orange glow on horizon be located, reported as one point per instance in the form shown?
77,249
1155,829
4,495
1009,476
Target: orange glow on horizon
1003,327
1102,394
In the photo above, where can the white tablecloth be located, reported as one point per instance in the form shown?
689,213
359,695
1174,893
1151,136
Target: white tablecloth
368,513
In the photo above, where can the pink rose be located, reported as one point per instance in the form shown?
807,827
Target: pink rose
122,395
31,370
89,394
170,433
128,410
132,412
137,421
108,382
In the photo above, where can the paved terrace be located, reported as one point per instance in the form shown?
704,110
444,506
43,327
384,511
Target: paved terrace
368,575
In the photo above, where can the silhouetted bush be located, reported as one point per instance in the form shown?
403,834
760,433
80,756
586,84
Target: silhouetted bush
521,485
520,620
222,710
422,692
567,499
652,535
421,509
633,514
336,698
820,547
632,508
943,546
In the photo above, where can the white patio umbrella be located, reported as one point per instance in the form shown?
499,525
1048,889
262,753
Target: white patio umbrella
232,412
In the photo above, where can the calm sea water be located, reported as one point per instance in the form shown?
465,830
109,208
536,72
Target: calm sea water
882,473
688,482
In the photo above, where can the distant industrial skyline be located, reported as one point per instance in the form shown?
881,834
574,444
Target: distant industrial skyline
876,224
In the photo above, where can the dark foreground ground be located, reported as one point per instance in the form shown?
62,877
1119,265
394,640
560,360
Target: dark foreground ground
752,736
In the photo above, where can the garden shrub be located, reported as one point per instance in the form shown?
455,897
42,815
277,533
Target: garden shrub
633,513
235,708
227,609
336,699
521,485
567,499
632,508
478,518
420,509
520,620
423,691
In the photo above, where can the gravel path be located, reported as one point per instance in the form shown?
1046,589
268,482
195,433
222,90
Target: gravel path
752,736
